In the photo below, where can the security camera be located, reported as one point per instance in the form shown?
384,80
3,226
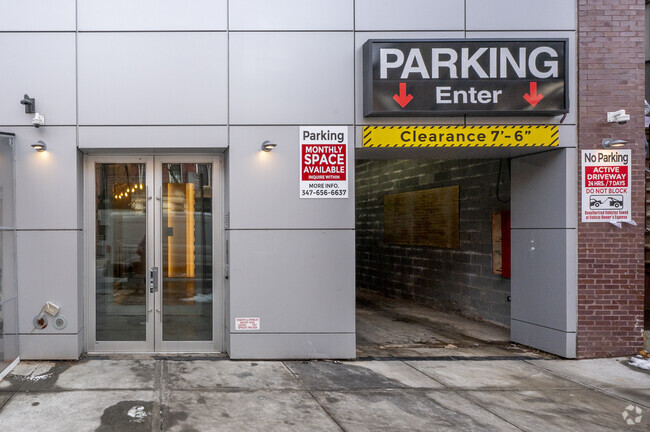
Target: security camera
618,117
38,120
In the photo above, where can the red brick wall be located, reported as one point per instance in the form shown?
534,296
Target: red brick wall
611,59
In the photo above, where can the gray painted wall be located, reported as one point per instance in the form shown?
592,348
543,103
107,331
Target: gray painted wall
291,260
545,251
458,280
210,75
8,288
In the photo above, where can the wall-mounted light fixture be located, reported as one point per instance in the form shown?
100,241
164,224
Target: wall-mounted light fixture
609,143
39,146
267,146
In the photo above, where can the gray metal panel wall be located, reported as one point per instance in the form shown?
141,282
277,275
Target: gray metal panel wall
285,15
37,15
521,15
8,284
291,78
151,138
46,183
291,260
54,281
545,195
541,273
49,77
286,346
295,281
49,232
152,78
410,15
544,251
152,15
268,184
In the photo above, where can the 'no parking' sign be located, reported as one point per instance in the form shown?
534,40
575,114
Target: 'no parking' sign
606,185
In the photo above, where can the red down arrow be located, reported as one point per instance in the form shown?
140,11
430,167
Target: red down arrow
403,99
533,98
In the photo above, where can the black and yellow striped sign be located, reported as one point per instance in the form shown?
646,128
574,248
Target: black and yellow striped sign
460,136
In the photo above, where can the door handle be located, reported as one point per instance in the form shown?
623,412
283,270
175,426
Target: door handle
153,279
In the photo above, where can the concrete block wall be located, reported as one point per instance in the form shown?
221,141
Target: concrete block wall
458,280
611,260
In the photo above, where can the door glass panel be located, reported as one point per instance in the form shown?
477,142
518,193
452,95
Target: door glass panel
121,247
187,252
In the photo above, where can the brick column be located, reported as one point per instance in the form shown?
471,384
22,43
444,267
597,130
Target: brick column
611,260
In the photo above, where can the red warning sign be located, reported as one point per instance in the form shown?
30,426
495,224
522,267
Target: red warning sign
606,195
324,162
606,176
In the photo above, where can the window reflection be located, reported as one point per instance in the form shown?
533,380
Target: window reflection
120,252
187,252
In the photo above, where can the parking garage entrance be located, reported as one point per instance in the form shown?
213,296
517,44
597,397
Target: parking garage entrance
434,271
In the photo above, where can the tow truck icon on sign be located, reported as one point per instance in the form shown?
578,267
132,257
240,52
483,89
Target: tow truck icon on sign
606,202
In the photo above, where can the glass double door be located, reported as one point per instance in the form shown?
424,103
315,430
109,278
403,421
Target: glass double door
154,254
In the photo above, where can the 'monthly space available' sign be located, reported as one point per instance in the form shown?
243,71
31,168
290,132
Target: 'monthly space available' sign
324,162
606,185
454,77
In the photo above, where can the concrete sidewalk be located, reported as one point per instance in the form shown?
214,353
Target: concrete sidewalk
190,394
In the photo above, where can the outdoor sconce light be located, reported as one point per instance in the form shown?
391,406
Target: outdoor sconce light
267,146
608,143
39,146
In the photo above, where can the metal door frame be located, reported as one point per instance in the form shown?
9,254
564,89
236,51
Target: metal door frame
154,343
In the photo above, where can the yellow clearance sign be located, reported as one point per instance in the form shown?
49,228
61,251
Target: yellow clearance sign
460,136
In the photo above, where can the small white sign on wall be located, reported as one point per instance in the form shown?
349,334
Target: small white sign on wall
606,185
247,323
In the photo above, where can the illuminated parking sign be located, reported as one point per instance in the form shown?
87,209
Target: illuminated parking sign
454,77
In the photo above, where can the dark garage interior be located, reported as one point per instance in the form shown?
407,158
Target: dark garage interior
428,233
